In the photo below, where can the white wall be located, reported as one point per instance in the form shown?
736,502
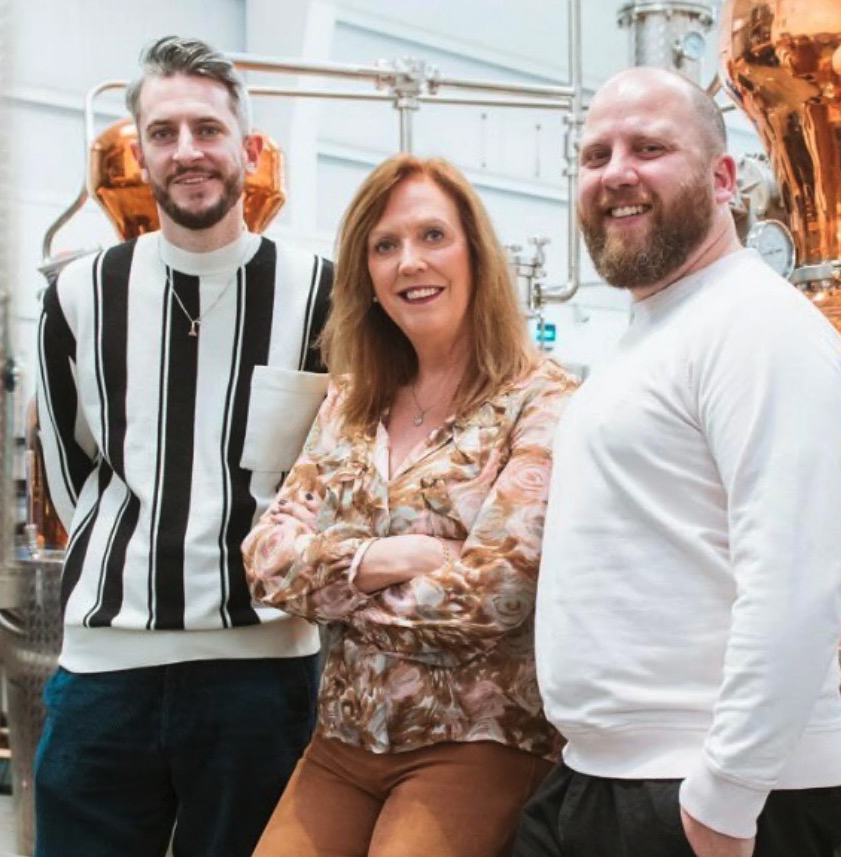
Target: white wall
64,47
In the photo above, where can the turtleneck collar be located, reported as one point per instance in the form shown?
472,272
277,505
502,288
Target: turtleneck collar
222,261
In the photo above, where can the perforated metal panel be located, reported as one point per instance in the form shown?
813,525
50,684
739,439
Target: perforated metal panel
664,34
31,641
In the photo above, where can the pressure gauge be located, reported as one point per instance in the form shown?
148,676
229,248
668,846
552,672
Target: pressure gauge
690,47
772,240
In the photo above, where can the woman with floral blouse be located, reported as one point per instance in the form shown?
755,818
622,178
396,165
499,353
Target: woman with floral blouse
410,527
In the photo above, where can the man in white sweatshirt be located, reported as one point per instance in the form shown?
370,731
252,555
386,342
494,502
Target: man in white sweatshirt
689,602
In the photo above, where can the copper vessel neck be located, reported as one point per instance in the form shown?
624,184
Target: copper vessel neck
781,61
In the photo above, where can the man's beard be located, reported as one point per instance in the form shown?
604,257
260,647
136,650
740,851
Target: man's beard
675,230
232,186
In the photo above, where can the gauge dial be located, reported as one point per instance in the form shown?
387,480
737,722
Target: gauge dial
772,240
693,45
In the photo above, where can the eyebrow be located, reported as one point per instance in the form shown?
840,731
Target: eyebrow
376,234
424,221
196,120
587,145
647,135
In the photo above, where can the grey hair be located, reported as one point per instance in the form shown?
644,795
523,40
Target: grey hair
172,55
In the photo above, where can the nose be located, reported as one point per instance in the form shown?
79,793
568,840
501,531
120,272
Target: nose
411,259
186,149
619,171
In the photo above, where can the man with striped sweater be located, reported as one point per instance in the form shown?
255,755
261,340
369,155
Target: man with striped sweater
165,410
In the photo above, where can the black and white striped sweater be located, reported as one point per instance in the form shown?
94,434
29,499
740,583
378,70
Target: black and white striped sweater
158,450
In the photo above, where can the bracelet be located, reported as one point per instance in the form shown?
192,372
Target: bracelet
448,553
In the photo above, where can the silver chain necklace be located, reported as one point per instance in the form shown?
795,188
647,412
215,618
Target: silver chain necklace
195,323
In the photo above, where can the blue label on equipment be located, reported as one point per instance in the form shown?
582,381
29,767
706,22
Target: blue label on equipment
547,332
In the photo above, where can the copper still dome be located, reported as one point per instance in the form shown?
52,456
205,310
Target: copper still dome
115,182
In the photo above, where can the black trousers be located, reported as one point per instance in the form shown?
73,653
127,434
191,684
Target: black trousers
576,815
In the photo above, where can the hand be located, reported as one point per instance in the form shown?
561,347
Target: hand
305,510
397,559
707,842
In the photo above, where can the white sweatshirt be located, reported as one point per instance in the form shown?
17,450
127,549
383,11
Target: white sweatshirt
689,600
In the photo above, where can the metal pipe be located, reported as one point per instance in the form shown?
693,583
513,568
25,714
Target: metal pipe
554,98
247,62
537,90
90,131
343,94
575,121
456,101
47,243
533,104
381,73
714,86
405,110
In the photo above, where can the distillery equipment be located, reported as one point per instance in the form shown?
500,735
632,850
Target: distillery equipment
668,33
781,62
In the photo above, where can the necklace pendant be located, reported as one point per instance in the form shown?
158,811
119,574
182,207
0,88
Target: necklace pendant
417,419
194,328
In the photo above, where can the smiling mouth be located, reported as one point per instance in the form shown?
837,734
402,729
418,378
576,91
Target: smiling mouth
619,212
192,178
420,294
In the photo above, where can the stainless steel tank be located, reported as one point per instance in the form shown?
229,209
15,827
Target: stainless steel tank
30,640
668,33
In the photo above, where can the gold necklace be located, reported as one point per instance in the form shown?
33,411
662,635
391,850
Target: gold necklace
420,415
195,323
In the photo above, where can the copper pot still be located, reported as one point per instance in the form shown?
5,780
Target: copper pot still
115,182
781,62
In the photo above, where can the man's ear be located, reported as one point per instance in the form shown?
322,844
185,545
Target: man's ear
253,145
138,156
724,177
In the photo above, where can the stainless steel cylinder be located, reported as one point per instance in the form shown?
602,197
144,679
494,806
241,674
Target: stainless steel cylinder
30,641
668,34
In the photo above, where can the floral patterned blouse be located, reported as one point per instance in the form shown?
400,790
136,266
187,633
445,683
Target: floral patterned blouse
447,656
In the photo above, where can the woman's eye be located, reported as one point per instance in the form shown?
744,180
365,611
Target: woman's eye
384,245
434,234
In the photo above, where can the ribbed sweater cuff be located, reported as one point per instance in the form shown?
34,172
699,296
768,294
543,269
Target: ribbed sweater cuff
721,804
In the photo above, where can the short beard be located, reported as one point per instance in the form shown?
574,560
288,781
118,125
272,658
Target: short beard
675,231
232,188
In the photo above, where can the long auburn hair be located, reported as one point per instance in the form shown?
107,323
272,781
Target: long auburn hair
360,339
